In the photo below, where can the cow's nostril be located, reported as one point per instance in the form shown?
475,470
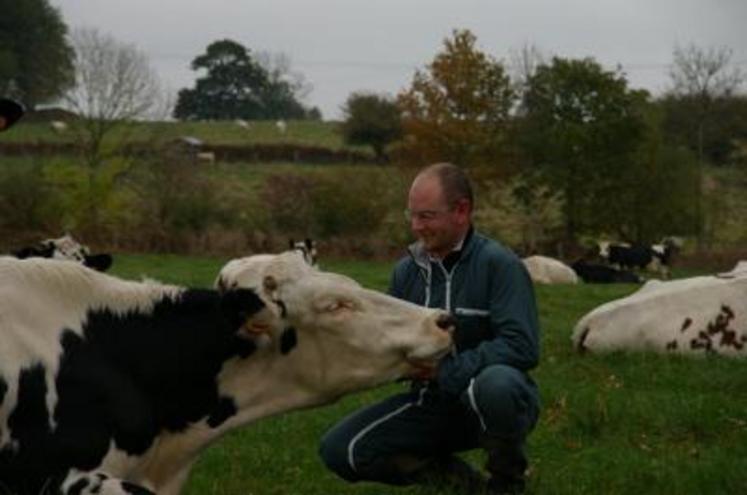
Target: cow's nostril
446,321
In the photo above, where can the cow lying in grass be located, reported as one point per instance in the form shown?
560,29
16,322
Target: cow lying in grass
65,248
546,270
698,315
111,387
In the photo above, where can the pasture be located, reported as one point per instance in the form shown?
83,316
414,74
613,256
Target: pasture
616,424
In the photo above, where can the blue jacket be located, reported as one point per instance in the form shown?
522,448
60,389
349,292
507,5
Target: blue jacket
490,293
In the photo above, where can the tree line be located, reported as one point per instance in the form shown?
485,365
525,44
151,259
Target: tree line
554,131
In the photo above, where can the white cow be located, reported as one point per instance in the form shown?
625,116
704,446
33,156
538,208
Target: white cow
58,126
545,270
110,386
695,315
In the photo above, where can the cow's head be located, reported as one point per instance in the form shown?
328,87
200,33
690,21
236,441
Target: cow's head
307,248
66,248
333,335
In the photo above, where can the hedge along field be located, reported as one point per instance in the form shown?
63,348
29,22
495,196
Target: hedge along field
615,424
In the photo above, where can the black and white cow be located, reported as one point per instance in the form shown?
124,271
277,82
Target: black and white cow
65,248
111,387
307,248
655,257
601,274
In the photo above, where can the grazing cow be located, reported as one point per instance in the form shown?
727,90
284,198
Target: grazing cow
281,126
65,248
206,156
544,270
111,387
698,315
601,274
58,126
307,248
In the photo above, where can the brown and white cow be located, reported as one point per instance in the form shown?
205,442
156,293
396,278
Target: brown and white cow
546,270
110,386
695,315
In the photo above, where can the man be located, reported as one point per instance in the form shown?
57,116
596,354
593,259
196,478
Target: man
482,394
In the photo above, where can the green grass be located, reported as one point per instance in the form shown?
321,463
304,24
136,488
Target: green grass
615,424
300,132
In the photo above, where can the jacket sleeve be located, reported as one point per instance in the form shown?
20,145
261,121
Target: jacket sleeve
514,326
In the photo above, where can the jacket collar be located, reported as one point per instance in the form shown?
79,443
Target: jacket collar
423,259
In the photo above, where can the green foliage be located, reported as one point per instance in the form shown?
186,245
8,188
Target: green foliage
326,205
370,119
523,213
344,205
235,86
22,193
36,60
582,129
458,110
723,127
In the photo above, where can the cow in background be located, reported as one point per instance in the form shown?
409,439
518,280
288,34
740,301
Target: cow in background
546,270
65,248
307,248
601,274
654,258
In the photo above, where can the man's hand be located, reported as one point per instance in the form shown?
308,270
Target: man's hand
423,370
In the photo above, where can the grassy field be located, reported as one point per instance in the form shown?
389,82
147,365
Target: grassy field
616,424
300,132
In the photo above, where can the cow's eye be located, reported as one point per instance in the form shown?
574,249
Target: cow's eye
338,306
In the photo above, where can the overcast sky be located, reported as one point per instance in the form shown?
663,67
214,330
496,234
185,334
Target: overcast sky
341,46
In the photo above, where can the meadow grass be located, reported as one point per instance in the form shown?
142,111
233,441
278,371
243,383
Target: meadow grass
613,424
299,132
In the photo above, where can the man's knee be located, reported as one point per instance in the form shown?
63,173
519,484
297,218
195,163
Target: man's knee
338,456
506,399
334,453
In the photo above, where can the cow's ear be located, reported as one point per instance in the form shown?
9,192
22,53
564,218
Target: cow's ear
100,262
238,305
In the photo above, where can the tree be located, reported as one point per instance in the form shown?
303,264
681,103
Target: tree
371,119
236,86
114,85
36,60
582,128
459,109
287,88
700,78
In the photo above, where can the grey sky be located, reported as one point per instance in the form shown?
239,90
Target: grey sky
341,46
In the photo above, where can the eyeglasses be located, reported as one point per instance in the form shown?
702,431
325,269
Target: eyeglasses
424,215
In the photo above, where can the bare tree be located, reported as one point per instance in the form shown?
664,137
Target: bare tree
702,76
114,86
524,62
278,67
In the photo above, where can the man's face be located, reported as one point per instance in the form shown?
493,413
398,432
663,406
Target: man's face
438,225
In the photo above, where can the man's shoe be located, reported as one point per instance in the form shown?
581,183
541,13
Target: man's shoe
452,472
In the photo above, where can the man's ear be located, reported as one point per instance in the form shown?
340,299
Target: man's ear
239,305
